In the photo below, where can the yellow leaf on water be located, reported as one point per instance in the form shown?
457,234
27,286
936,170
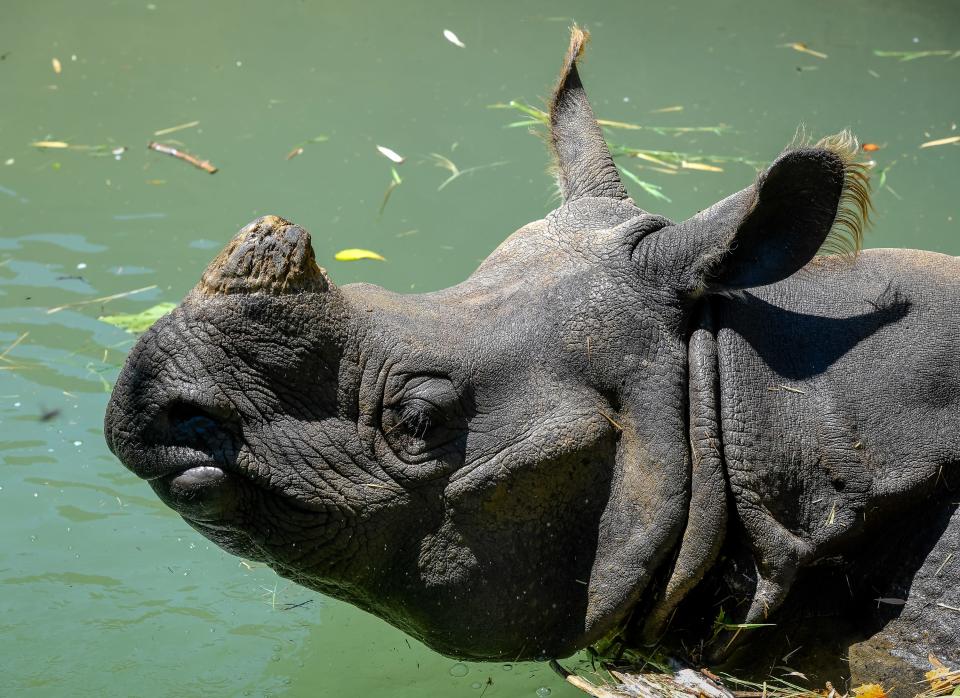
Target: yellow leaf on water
703,167
870,690
803,48
56,65
941,141
656,161
355,254
666,110
50,144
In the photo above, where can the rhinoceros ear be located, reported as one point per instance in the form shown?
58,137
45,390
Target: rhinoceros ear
583,161
811,198
269,255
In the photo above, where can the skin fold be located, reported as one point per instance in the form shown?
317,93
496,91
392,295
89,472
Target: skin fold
613,413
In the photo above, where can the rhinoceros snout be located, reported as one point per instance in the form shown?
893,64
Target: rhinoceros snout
185,449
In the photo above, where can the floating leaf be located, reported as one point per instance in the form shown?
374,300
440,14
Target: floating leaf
57,68
139,322
701,166
453,38
941,141
666,110
50,144
392,155
355,254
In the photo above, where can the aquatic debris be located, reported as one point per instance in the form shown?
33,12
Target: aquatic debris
355,254
174,129
180,155
701,166
13,345
666,110
102,299
298,150
395,182
941,141
57,68
453,38
914,55
869,147
94,150
941,678
652,189
136,323
391,155
803,48
455,172
538,116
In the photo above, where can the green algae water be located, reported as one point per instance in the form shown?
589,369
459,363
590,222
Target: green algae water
104,591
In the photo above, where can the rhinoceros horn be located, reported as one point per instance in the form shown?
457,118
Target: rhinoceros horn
583,161
270,255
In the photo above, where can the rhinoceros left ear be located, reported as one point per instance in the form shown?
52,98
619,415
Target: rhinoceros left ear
811,198
583,161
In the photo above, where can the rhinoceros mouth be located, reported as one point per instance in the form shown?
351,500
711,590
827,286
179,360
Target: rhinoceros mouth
204,493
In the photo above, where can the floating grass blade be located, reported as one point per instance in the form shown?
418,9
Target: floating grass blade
914,55
652,189
395,182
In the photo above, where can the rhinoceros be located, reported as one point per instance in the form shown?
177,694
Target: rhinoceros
613,415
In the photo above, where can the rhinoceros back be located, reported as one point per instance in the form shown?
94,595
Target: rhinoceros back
840,395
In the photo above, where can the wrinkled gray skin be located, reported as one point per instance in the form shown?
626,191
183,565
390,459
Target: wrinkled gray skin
505,468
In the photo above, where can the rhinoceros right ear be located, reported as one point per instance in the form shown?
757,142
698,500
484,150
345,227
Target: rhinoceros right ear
811,198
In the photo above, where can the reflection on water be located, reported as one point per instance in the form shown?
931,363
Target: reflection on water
106,592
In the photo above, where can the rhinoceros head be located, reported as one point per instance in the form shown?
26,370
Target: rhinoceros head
497,468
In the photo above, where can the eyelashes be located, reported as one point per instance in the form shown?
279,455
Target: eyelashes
416,420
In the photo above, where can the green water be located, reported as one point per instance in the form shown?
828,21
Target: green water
105,592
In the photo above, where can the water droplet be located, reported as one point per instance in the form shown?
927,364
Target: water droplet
543,692
459,670
508,667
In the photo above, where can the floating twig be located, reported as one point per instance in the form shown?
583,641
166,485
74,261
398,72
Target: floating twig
941,141
102,299
174,129
180,155
803,48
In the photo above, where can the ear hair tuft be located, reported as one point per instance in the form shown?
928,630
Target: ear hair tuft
845,239
853,211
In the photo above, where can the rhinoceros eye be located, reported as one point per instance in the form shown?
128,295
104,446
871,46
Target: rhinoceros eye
422,416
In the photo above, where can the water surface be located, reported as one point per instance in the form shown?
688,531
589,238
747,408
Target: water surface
105,592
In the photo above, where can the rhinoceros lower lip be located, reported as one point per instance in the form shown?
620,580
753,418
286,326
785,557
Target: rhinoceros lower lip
202,493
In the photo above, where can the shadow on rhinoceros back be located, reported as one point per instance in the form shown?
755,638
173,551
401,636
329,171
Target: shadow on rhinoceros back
613,420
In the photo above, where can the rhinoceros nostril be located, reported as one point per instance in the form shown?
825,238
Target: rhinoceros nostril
190,424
